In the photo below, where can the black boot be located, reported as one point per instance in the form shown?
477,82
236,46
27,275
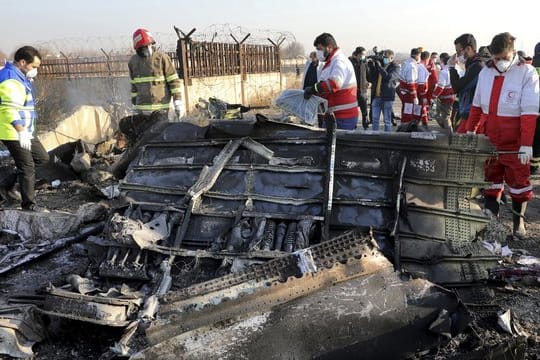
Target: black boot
518,216
492,204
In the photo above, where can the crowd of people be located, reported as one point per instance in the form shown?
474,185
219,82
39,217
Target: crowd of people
491,90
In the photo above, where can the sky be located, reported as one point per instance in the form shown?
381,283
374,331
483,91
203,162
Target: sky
395,24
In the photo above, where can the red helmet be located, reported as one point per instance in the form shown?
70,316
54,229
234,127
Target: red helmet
142,37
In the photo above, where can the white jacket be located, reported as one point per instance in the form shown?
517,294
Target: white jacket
409,71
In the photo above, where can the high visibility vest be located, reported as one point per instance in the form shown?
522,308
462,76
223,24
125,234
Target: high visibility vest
16,102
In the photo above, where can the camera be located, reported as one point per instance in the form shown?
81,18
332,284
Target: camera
377,55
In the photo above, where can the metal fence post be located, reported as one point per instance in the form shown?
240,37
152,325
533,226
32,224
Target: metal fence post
242,65
67,65
277,55
183,66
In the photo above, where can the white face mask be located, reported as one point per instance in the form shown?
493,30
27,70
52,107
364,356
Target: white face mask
320,55
503,65
31,73
461,59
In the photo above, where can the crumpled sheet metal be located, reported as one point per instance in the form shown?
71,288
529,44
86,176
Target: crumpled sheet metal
101,310
440,172
20,329
376,315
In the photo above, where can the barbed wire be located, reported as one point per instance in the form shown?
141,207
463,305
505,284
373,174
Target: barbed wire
166,41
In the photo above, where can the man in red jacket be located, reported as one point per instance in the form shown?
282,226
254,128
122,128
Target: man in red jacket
337,82
505,107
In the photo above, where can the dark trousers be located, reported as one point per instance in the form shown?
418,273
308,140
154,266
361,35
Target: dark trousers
26,162
536,141
362,103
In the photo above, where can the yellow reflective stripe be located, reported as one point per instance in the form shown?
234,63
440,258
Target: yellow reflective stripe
152,107
12,105
176,90
12,93
140,80
172,77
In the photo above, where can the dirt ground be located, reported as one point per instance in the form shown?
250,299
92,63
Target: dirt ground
74,340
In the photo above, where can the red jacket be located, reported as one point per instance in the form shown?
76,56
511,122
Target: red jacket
505,105
443,89
338,85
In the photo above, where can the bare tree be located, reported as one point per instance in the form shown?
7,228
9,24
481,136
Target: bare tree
292,50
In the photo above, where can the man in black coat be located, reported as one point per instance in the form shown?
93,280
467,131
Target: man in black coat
359,62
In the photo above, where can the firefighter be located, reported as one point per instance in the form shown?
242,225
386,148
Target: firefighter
337,82
153,77
17,121
505,108
154,82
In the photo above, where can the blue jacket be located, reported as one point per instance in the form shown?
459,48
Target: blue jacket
389,80
16,102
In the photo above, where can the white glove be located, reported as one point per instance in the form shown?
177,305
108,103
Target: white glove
178,108
25,139
525,154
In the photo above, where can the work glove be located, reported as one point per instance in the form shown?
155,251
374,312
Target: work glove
309,92
178,108
525,154
25,140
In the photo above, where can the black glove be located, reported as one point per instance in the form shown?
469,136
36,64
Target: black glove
309,92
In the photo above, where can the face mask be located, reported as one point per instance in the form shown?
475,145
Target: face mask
31,73
503,65
461,58
320,55
362,57
386,61
144,51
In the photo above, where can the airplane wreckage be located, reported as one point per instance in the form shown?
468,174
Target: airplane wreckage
325,244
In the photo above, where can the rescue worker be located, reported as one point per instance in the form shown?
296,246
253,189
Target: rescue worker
433,69
337,83
154,81
17,121
408,84
505,108
535,161
445,95
423,87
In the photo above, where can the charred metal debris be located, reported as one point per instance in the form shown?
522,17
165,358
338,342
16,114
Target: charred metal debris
304,231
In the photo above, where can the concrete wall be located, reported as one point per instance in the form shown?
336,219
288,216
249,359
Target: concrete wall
259,89
90,108
92,124
62,96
